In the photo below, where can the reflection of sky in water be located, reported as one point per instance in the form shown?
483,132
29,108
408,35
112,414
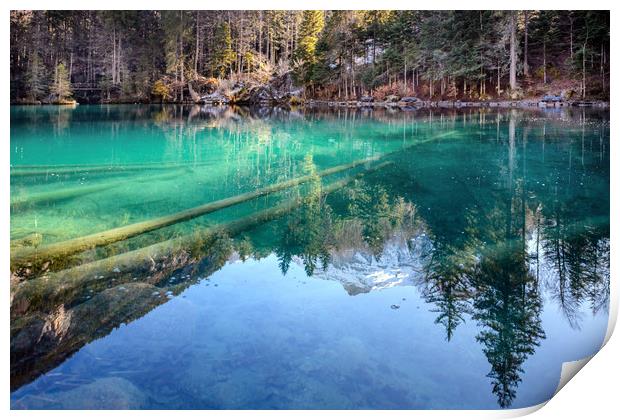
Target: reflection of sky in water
249,337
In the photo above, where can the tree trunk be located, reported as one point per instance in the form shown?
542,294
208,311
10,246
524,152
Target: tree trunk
182,63
513,51
545,62
114,56
118,61
583,72
72,246
197,43
70,66
498,80
526,68
602,66
571,40
405,76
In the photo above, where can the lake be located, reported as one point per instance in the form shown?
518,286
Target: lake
179,257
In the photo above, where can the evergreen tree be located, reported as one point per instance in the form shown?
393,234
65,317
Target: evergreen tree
445,54
223,55
545,36
311,26
61,86
35,79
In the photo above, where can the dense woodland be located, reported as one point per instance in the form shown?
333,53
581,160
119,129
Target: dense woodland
148,56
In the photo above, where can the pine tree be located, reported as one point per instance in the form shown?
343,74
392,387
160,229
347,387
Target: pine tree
334,53
223,56
311,26
35,78
61,86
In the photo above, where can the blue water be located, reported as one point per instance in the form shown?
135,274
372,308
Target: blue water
460,276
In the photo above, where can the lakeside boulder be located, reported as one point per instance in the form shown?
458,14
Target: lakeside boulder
279,90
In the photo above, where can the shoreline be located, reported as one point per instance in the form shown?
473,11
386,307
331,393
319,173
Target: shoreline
421,104
418,104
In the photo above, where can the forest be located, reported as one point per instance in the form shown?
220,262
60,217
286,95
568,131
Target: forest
277,55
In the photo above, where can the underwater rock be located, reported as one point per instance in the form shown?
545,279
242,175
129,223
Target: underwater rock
103,394
39,341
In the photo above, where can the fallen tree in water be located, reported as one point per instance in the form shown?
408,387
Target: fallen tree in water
41,340
48,291
52,170
72,192
25,262
43,254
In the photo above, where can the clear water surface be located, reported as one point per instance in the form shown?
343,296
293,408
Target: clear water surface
458,262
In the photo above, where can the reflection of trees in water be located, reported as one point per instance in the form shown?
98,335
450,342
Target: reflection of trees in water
497,284
314,231
448,289
61,118
507,306
494,286
489,272
507,302
379,215
518,234
488,261
307,231
577,259
447,280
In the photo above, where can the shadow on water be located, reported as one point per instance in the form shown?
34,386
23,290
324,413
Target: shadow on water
489,228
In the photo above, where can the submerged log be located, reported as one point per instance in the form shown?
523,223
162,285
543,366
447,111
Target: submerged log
42,340
65,170
32,239
72,246
48,291
40,170
66,193
41,255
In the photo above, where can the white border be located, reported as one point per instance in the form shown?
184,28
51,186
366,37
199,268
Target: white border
593,394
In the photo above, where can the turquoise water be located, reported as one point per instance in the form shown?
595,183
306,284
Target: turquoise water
452,259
